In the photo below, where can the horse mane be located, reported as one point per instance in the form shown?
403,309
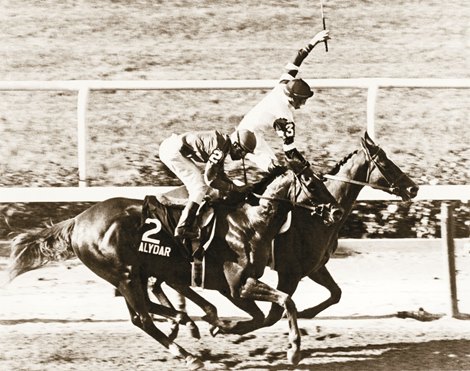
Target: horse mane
341,162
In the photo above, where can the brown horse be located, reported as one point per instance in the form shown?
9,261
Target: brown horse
106,239
297,254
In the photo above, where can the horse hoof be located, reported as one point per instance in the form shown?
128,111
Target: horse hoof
194,363
214,330
194,331
173,333
293,356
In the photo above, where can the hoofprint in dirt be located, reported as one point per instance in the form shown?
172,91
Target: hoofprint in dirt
379,344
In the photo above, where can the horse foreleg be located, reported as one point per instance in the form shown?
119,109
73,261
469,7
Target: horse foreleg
250,307
180,317
287,283
211,311
256,290
132,289
323,278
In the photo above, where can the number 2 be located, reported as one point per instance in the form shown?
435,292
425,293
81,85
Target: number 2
158,227
216,156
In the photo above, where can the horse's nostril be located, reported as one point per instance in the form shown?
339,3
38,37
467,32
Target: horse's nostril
413,190
337,214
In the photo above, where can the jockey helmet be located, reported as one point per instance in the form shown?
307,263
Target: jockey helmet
246,139
298,88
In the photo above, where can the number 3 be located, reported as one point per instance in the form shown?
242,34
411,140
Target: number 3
290,130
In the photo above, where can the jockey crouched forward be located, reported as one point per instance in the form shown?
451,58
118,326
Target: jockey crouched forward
180,153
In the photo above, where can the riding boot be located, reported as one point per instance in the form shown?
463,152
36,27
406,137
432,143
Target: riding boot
185,227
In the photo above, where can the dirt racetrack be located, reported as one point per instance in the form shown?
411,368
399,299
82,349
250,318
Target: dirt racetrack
62,317
384,344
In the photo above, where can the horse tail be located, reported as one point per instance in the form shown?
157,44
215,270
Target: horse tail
34,249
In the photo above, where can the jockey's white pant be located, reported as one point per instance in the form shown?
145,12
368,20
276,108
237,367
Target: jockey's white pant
184,168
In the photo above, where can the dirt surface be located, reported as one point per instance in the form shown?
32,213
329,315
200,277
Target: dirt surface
368,345
63,317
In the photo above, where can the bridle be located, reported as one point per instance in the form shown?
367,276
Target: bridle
372,161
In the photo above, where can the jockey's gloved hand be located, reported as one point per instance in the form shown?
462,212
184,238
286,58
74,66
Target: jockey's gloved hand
276,169
246,188
321,36
294,154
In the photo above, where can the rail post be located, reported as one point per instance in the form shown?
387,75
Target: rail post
371,100
447,236
82,106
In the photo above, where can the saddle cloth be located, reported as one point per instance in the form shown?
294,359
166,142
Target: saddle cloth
160,216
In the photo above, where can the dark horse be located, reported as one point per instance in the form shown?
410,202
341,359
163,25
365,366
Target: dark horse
106,239
297,254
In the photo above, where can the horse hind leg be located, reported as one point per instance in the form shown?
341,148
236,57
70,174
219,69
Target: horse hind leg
133,292
323,278
181,316
208,308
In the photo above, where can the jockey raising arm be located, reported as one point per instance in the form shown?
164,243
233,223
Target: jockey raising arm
276,110
180,153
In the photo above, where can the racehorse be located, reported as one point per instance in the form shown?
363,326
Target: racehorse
105,237
297,254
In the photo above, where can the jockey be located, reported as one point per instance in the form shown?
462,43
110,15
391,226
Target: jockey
276,110
180,153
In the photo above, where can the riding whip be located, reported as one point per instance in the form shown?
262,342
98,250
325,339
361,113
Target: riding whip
324,23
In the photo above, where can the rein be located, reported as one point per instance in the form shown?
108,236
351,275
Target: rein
372,158
346,180
312,208
293,203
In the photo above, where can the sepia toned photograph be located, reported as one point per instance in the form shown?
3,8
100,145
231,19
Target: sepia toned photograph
234,185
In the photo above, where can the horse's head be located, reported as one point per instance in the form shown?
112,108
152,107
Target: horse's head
303,188
384,174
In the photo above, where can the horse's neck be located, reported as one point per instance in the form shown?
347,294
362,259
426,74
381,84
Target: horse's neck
355,168
267,218
271,212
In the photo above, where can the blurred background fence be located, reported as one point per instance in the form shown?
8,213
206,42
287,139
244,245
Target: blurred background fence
83,88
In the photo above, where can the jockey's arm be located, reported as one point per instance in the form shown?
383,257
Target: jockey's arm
286,130
293,67
215,177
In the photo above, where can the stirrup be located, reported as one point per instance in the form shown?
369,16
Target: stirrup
197,273
197,266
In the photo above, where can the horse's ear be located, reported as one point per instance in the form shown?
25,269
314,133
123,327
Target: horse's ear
367,141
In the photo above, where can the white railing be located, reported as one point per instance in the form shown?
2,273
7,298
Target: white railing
95,194
83,88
